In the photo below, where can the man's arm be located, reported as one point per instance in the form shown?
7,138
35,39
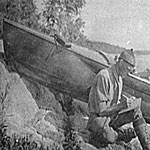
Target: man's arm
127,104
102,92
114,109
104,98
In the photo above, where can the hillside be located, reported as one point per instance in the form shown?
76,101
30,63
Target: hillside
99,46
106,47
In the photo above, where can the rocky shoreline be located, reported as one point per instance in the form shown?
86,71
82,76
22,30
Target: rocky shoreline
30,109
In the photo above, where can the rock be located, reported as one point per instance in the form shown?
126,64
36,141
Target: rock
87,146
49,116
45,99
1,46
4,79
46,128
113,147
135,144
19,105
49,131
81,107
21,113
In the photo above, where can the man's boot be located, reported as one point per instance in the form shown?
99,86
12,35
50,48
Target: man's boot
126,135
142,132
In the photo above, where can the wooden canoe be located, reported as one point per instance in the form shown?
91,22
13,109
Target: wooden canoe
67,70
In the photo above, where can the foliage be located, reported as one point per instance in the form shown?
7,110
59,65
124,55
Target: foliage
20,143
62,17
22,11
71,141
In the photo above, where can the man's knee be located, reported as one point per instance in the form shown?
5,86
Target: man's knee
110,136
97,125
102,129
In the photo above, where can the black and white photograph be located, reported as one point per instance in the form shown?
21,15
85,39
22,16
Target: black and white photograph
74,74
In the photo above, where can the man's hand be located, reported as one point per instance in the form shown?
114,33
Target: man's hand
133,102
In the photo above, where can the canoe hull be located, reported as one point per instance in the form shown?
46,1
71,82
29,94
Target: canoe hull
69,71
54,66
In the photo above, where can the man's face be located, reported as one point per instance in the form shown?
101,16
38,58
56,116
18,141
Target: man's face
126,68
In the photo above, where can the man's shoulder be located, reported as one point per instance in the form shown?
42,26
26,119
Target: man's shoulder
104,72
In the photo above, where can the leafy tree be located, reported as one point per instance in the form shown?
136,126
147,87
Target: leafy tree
22,11
63,17
58,16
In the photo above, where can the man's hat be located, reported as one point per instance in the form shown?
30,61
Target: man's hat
128,56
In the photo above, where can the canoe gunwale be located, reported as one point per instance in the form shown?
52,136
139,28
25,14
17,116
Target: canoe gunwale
30,31
51,40
78,52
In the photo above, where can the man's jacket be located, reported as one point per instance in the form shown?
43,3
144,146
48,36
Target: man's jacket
105,91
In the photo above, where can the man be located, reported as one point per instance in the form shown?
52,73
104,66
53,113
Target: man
106,102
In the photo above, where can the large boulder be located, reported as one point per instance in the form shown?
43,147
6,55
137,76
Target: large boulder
21,113
46,128
19,106
45,99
